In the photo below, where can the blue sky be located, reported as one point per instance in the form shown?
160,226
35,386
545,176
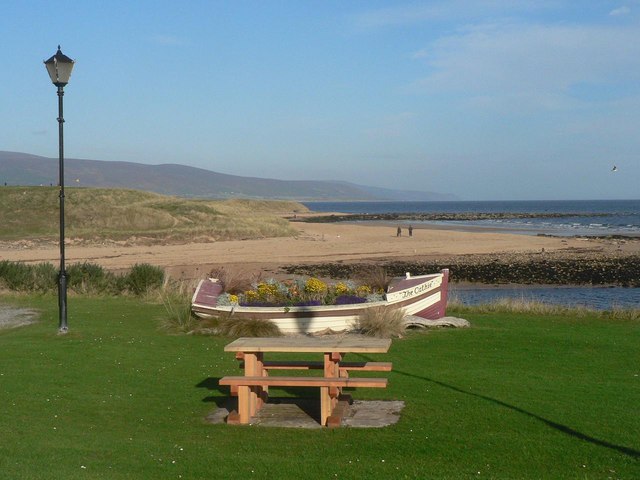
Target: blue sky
484,99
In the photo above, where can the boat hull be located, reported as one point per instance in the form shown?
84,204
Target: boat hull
424,296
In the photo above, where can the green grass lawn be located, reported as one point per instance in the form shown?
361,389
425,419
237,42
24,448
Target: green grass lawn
515,396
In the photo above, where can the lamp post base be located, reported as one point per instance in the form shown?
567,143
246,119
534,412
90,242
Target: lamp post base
62,301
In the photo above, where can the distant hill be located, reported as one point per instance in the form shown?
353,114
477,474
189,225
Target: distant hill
181,180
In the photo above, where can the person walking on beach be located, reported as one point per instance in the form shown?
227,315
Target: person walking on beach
399,232
411,230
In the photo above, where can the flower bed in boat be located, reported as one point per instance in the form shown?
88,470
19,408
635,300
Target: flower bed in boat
301,293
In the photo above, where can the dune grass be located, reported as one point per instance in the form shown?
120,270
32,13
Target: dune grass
515,305
514,396
381,322
100,214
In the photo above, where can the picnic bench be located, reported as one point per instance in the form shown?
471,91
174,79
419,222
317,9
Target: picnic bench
252,388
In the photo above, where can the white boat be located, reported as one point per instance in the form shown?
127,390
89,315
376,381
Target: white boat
423,296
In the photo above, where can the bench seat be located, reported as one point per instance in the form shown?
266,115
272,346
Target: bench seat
310,365
242,381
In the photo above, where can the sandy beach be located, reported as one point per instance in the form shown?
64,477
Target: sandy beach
314,244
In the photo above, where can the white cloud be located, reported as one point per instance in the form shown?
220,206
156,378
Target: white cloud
620,11
530,60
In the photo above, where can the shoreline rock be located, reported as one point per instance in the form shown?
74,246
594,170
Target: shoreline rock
525,269
468,216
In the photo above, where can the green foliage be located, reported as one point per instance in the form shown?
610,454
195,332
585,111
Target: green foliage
15,275
44,278
177,317
82,278
89,278
19,276
143,278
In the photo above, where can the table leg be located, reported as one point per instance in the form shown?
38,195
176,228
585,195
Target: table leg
252,368
336,358
262,392
329,395
250,398
325,405
244,408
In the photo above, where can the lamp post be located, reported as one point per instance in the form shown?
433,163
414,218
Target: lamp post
59,68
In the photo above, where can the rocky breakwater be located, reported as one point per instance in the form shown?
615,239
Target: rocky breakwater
471,216
525,268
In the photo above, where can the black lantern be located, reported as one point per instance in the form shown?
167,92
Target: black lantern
59,67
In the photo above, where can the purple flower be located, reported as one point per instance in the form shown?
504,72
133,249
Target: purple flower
349,299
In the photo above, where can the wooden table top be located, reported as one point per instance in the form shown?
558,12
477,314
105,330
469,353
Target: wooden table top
345,344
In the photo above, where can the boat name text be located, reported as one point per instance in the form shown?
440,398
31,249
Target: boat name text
418,289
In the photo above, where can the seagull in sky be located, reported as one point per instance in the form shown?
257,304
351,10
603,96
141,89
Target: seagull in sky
614,169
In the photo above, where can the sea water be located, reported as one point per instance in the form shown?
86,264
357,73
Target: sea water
598,298
579,217
588,218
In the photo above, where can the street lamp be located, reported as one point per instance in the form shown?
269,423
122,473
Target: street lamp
59,68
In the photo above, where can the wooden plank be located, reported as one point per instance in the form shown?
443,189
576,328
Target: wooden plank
315,365
243,403
304,382
329,396
310,344
367,366
250,370
293,365
325,405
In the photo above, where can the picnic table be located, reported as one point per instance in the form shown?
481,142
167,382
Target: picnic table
252,387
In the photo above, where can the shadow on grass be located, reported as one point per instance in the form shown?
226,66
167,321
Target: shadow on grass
305,398
212,384
310,406
550,423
